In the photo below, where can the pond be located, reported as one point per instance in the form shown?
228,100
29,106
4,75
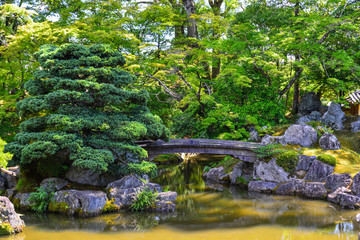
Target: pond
205,212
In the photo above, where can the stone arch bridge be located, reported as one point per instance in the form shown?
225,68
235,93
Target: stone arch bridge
242,150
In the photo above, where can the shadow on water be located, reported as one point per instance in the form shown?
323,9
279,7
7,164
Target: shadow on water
201,206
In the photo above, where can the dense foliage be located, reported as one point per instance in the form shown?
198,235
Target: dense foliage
81,111
144,200
213,69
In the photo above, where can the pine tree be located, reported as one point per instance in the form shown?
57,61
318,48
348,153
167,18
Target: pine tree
82,112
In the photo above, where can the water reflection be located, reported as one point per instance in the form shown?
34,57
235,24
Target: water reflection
205,207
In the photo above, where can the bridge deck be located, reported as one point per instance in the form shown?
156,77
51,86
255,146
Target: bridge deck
242,150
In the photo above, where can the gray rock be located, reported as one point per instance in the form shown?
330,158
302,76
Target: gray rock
164,206
318,171
309,102
355,126
8,215
10,193
2,183
54,184
85,176
217,175
317,115
334,117
125,191
267,139
349,201
74,202
329,141
355,187
270,172
315,190
305,162
314,116
242,169
167,196
303,135
254,136
21,200
261,186
336,181
304,119
335,196
323,109
11,179
236,172
293,187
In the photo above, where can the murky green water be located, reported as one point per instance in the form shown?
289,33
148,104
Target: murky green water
205,212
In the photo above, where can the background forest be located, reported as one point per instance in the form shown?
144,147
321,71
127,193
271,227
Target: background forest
212,68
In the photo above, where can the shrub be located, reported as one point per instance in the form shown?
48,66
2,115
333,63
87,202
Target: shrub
267,151
328,159
144,200
241,180
82,112
288,160
207,168
41,199
142,168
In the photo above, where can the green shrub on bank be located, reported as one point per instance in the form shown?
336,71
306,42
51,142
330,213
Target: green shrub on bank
328,159
288,160
142,168
41,199
268,150
144,200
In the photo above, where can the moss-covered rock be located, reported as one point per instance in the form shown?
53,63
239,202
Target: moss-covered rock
288,160
10,221
80,203
327,158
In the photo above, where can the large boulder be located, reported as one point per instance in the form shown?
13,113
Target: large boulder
11,179
344,198
254,136
22,201
74,202
10,221
125,191
334,117
308,103
314,116
336,180
261,186
3,185
329,141
355,126
293,187
355,187
270,172
304,165
315,190
86,176
318,171
54,184
167,196
217,175
303,135
242,169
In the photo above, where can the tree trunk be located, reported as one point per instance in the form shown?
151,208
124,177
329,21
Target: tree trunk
296,97
189,6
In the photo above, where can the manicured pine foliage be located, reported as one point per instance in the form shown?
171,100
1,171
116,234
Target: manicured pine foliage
82,112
